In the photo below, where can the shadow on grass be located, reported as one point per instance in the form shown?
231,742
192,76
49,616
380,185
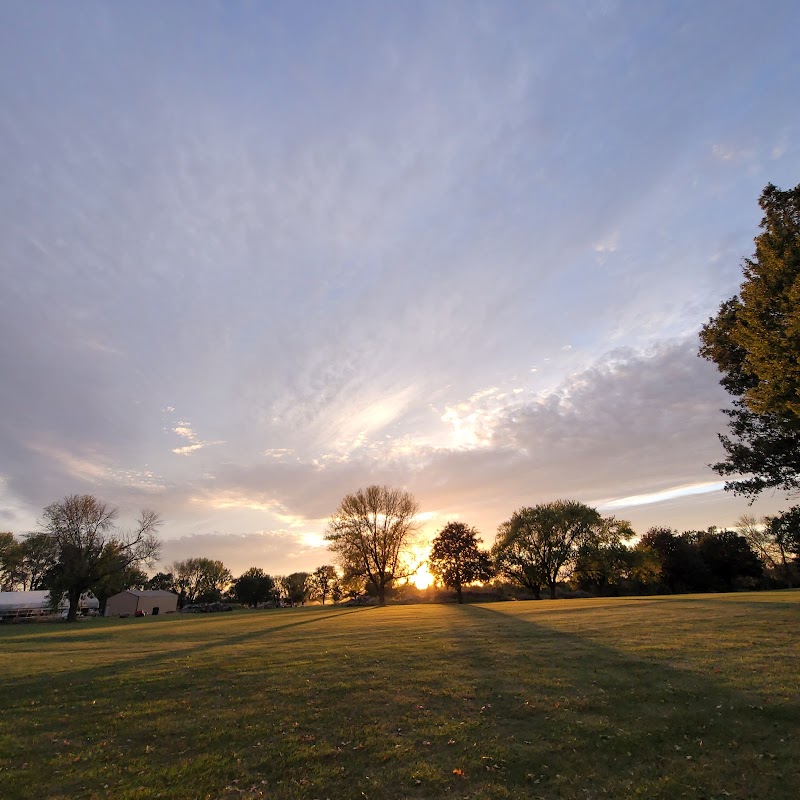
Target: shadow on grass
627,726
419,702
158,652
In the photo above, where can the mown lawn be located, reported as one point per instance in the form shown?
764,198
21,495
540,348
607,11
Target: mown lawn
692,696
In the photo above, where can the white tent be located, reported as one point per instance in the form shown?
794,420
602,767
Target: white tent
34,604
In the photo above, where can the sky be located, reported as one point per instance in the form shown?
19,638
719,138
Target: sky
255,256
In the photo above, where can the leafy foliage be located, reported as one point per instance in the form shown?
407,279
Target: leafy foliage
456,559
11,558
254,586
91,550
755,342
322,582
540,545
200,580
702,561
296,588
603,559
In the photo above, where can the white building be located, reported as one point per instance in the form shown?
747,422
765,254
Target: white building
35,604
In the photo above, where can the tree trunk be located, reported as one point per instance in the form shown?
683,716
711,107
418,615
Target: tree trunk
74,601
537,592
458,592
553,591
381,595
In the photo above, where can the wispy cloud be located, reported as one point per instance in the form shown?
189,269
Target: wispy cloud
184,430
663,495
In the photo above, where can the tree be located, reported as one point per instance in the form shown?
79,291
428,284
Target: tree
540,545
163,581
296,588
682,569
91,548
118,577
322,581
456,560
755,342
11,561
253,587
784,531
369,532
200,580
604,560
729,559
40,557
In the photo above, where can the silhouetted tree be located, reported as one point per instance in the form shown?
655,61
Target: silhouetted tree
682,569
729,559
163,581
253,587
91,549
11,560
200,580
40,557
603,560
784,530
754,342
369,532
456,560
539,545
321,582
295,588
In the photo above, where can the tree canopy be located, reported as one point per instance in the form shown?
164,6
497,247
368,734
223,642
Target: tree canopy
755,342
322,582
369,533
91,549
200,580
456,560
540,545
254,586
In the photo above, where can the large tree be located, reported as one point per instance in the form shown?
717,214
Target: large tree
91,547
200,580
539,546
11,561
755,342
370,531
604,560
253,587
40,557
456,560
321,582
296,588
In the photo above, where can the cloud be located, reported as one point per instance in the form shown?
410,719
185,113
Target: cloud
184,429
662,496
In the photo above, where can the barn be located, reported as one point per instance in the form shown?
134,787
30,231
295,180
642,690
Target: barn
147,601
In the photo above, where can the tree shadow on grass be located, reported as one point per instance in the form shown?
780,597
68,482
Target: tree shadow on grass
576,718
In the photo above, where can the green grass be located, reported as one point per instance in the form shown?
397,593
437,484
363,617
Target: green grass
692,696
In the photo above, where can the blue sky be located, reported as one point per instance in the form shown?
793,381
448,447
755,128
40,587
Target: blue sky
254,256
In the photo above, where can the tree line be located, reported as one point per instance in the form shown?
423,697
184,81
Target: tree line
562,545
81,549
565,544
205,580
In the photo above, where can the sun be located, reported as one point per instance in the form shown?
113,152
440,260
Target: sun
422,578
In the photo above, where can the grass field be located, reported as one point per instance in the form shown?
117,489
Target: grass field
690,696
